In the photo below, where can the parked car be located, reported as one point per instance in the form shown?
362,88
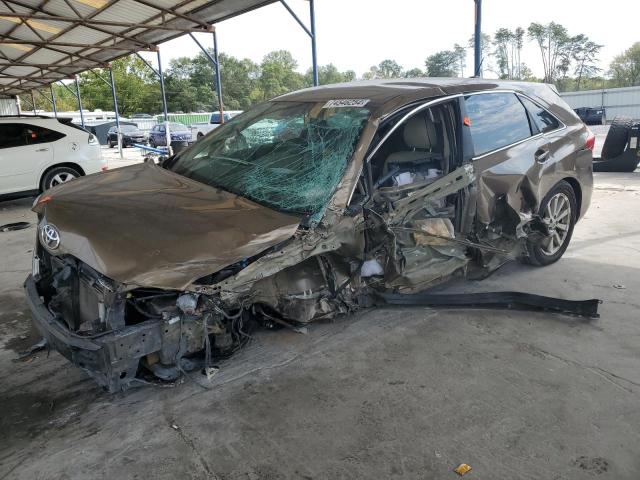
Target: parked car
130,135
199,130
178,132
37,153
348,194
591,116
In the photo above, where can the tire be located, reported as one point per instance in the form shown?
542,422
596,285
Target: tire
548,251
58,175
111,144
152,144
617,138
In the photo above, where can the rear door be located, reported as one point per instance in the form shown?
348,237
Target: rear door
25,151
509,152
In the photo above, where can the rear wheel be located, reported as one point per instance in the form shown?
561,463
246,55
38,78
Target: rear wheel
559,211
58,175
110,144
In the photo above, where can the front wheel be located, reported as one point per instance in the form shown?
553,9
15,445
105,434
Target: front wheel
559,211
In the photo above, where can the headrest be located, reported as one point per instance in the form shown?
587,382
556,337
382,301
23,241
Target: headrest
420,133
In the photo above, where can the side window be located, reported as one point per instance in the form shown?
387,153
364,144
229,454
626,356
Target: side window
36,135
12,135
543,119
497,120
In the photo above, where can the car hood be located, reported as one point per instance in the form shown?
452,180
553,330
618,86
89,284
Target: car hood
133,133
147,226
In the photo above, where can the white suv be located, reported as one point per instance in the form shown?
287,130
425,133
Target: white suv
37,153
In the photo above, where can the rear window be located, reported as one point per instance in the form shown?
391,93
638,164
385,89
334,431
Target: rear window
543,119
497,120
36,134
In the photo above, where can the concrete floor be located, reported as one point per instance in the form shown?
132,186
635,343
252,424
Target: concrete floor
388,393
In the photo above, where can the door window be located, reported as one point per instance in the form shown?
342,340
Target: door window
12,135
497,120
542,119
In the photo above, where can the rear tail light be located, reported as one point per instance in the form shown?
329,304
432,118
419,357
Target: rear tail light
92,139
591,140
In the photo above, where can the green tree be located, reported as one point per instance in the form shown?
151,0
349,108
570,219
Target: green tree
585,54
328,74
461,53
278,75
625,68
485,51
414,73
385,69
555,46
442,64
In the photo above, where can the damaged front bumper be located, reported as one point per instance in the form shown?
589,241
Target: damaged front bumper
111,358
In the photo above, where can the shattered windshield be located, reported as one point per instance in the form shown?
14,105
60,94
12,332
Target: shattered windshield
288,156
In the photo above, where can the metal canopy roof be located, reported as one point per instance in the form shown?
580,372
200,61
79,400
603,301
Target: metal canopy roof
43,41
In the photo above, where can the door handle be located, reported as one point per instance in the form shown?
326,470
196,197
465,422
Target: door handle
541,155
42,150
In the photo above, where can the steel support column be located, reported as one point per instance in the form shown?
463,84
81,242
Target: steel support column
311,33
477,39
115,109
314,53
218,79
53,101
164,96
79,97
214,60
33,102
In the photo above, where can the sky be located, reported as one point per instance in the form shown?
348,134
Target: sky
356,34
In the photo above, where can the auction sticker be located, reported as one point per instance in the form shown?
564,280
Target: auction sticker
347,102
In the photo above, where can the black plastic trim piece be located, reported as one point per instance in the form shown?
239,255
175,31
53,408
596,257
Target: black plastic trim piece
497,300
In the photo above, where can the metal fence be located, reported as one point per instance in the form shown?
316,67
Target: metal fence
616,101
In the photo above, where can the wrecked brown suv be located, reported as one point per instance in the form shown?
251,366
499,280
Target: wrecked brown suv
305,207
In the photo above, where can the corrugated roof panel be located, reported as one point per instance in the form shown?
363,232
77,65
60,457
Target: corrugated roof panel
127,11
84,35
44,56
121,11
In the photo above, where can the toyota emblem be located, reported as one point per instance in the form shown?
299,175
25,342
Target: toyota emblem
50,236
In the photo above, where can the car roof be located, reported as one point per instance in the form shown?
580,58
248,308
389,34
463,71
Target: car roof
27,119
385,96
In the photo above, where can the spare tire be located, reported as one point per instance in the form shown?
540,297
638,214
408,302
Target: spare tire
617,138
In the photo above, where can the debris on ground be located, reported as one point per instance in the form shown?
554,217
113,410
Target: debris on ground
462,469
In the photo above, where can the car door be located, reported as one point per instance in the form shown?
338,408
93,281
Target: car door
508,153
24,153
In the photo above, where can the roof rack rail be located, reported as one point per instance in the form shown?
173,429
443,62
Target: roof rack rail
22,115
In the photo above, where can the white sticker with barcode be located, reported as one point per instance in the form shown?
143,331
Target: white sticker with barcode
633,143
346,102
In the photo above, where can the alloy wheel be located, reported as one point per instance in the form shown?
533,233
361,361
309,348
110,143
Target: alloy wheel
61,177
557,217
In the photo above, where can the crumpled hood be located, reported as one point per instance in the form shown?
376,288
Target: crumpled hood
148,226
